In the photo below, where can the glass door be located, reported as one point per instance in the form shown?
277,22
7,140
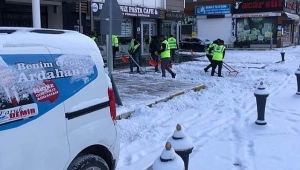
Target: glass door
148,29
145,35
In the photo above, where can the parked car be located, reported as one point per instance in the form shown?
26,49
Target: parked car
205,41
57,109
195,44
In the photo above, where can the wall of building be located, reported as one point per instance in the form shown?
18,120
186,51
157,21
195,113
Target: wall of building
175,5
214,28
143,3
55,17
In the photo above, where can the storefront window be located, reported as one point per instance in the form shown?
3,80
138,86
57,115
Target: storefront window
287,37
169,28
21,16
256,30
189,27
126,28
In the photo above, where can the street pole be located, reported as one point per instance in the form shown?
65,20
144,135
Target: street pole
80,19
36,13
92,16
109,42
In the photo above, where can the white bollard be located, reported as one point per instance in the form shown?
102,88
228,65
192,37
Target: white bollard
168,160
182,144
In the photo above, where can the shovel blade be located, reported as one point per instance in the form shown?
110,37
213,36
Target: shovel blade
124,59
152,63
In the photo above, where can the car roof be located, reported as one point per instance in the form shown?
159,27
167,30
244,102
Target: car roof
61,39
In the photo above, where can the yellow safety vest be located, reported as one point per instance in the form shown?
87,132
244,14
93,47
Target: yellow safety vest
167,52
131,45
210,45
218,52
172,43
115,41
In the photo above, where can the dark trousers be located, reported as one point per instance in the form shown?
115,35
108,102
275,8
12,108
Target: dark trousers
136,57
114,51
214,66
209,57
164,66
172,55
155,58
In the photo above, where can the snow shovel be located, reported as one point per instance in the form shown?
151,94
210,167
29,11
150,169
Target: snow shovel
230,69
192,52
124,59
141,69
152,62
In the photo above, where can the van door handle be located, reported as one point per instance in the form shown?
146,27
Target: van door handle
87,110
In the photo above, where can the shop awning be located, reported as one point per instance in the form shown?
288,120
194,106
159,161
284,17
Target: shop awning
292,16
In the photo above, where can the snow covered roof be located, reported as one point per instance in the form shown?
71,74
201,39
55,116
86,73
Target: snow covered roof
65,40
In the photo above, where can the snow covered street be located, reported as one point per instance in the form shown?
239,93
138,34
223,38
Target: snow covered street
220,118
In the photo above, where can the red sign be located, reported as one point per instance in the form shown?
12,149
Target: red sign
46,91
250,6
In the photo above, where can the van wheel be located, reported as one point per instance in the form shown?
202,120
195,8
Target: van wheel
88,162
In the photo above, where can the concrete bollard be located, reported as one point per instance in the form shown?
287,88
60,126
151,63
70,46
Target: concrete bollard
282,53
297,73
261,95
168,160
183,145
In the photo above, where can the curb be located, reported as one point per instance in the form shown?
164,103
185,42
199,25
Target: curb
128,114
195,89
250,49
125,115
262,67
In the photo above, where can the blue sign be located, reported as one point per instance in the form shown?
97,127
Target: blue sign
33,84
213,9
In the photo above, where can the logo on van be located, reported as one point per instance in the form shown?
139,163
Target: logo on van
32,85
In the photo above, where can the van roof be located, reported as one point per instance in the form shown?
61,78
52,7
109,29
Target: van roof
65,40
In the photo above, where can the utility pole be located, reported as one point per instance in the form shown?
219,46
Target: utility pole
36,13
110,15
92,16
109,40
80,19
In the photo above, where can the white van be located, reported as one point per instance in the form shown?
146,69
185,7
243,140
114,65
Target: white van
57,107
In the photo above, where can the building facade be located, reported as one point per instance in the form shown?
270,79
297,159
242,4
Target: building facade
141,18
139,21
174,14
213,19
266,23
19,14
248,23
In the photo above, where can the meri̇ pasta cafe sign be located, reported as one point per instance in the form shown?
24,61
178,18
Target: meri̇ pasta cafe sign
131,11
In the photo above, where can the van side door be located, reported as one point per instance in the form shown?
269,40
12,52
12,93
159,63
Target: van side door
87,108
32,121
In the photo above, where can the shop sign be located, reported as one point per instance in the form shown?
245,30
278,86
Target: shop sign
135,11
250,6
213,9
290,6
257,15
174,15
